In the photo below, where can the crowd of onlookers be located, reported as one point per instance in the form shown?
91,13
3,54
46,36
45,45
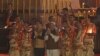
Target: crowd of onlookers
71,38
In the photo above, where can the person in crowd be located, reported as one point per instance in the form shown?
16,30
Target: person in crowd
64,15
89,38
19,29
38,39
26,45
16,37
65,41
4,30
52,40
4,27
77,43
14,45
9,15
51,19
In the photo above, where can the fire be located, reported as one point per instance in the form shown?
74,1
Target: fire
90,30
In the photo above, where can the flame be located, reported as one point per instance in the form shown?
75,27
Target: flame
90,30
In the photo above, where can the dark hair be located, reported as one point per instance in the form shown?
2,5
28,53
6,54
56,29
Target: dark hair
65,9
55,32
38,21
50,18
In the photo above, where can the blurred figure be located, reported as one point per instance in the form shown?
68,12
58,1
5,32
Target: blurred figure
38,39
9,15
52,40
65,41
64,15
14,45
4,30
77,43
97,23
89,38
51,19
26,46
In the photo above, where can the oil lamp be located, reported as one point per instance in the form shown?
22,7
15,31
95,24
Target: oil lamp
91,31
